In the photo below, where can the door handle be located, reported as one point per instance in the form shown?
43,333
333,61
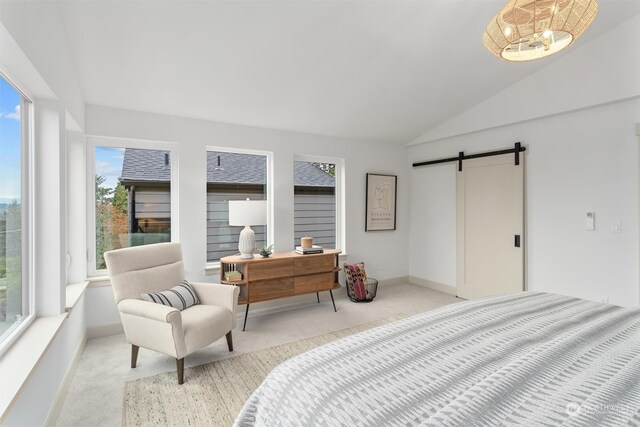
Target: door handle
517,241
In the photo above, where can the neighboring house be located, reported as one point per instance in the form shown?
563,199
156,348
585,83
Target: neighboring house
230,176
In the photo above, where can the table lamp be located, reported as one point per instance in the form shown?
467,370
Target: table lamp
247,213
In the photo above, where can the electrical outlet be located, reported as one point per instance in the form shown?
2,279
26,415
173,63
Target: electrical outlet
616,227
604,300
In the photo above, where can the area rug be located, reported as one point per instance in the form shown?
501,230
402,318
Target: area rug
214,393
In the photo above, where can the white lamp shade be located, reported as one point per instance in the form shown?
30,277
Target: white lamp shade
247,212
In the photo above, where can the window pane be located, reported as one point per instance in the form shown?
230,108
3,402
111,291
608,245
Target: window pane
315,203
133,198
13,286
232,176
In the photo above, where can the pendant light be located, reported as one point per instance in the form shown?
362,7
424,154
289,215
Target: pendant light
525,30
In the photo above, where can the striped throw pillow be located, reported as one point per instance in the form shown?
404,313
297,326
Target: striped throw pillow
180,297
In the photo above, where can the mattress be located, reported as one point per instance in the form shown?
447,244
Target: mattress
530,359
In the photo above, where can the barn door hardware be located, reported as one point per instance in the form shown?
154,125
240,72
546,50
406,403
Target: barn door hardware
516,150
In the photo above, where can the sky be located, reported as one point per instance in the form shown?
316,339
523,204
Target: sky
9,143
109,164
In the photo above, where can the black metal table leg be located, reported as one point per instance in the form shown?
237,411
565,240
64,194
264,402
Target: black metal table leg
318,295
333,301
246,313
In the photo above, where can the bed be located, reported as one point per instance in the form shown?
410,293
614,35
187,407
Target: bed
530,359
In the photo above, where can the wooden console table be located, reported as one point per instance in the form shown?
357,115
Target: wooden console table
283,274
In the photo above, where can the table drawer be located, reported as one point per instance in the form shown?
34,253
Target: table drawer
313,283
263,290
270,269
308,264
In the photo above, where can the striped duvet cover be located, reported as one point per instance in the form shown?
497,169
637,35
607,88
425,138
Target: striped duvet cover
532,358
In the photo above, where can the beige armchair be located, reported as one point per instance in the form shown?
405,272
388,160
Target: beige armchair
155,268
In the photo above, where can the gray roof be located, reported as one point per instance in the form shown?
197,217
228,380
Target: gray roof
222,167
235,168
146,165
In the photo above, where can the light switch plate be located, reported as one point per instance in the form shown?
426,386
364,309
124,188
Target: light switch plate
591,220
616,227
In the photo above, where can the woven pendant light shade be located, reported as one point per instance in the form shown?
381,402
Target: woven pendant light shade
530,29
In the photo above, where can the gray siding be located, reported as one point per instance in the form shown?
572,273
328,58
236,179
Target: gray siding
222,239
153,204
315,216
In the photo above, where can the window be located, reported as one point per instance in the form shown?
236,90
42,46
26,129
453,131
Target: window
132,199
316,205
232,176
16,296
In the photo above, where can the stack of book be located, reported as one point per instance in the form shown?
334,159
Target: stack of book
232,276
312,250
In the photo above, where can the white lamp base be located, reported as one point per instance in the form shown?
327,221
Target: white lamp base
247,242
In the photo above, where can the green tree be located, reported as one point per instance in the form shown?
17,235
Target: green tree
120,197
103,219
11,307
3,245
103,194
329,168
111,218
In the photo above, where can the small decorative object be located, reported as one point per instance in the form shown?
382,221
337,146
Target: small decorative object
312,250
232,276
266,251
381,202
306,242
181,296
360,288
524,30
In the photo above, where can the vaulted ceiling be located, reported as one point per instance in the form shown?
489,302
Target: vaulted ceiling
384,71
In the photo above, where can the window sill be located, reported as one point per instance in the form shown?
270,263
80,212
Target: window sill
212,269
98,281
73,293
19,361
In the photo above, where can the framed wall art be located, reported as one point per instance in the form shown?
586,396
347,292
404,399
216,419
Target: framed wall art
381,202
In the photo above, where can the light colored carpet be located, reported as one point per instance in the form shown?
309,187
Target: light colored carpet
214,393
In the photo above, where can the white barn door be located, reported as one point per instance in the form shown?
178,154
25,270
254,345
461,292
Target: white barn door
490,226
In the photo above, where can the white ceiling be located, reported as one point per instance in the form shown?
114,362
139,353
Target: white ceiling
384,71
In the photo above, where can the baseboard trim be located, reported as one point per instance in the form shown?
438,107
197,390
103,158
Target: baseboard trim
394,281
441,287
61,394
104,330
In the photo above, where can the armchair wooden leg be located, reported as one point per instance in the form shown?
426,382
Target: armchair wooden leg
180,364
230,341
134,355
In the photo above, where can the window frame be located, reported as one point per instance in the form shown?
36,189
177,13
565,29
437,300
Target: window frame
270,230
114,142
27,190
339,194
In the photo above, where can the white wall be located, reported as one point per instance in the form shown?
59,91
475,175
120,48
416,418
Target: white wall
39,36
104,311
579,161
586,75
385,253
